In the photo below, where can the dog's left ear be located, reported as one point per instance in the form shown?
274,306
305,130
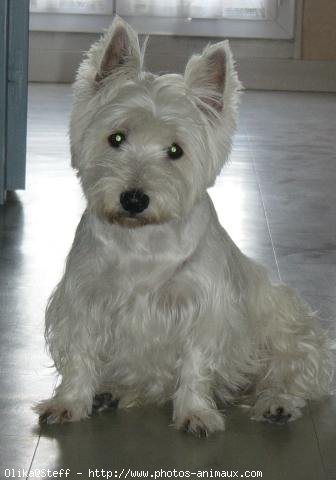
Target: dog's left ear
118,52
211,77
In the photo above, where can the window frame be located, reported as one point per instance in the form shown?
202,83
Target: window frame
280,28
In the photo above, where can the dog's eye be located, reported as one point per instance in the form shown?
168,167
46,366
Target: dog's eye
175,151
116,139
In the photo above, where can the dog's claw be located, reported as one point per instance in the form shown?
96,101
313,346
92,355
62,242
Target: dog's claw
198,430
186,426
280,416
50,417
44,418
201,432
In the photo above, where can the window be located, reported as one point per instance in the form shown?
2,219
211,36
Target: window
223,18
102,7
242,9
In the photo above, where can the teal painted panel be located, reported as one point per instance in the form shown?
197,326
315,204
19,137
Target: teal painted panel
3,93
18,30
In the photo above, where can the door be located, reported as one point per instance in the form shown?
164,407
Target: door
14,27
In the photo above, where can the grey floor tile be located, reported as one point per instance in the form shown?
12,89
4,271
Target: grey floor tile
16,453
18,393
325,424
142,439
310,278
240,211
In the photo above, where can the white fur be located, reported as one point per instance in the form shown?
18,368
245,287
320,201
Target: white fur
164,306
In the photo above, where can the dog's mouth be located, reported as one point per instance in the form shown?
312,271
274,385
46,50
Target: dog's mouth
130,220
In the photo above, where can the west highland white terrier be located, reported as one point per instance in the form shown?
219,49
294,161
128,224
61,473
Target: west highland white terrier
157,303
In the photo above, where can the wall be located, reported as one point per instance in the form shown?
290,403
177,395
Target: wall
319,30
54,56
306,63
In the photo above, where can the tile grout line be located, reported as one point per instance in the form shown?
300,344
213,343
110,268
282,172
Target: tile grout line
33,457
39,437
263,204
327,476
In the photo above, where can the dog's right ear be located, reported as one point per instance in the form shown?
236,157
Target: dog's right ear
117,53
213,80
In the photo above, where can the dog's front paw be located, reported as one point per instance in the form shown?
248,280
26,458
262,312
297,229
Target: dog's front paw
201,423
278,409
104,401
56,411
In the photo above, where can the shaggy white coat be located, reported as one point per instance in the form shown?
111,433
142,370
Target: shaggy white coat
163,306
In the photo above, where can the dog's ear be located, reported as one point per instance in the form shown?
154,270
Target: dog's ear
211,77
117,53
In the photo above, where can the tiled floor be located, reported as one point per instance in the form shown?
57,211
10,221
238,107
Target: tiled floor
277,199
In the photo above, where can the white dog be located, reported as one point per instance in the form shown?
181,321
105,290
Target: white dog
157,303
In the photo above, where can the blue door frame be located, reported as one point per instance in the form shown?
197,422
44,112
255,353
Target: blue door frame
14,28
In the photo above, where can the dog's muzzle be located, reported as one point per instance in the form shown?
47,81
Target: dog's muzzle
134,201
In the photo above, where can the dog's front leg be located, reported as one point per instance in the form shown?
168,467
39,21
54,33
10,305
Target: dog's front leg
73,398
194,408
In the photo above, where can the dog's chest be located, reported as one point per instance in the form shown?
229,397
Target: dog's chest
144,302
144,341
141,305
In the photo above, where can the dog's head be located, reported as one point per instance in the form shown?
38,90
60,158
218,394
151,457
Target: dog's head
147,147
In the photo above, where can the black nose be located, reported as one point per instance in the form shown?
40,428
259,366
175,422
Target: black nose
134,201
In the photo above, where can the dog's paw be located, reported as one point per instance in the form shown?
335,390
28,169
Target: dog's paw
104,401
201,423
55,411
277,409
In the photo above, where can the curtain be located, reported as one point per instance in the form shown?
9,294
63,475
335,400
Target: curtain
103,7
243,9
264,9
